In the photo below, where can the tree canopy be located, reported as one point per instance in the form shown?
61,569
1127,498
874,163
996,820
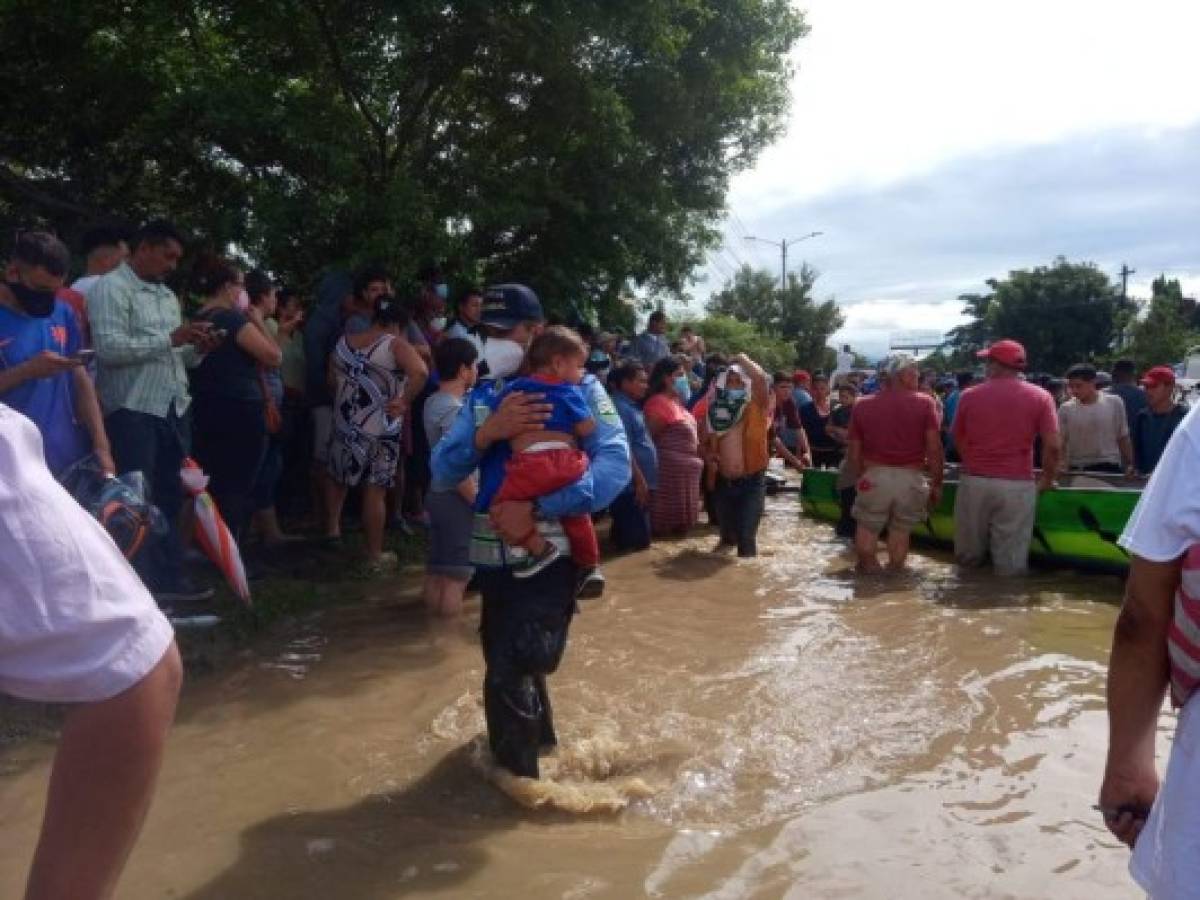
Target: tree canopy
580,146
1170,327
790,315
1063,313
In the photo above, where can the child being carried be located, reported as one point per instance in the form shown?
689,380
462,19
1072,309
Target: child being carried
544,461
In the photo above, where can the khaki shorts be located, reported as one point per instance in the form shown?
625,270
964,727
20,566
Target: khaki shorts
891,497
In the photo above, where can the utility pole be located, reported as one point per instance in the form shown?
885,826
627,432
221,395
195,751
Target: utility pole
1125,273
783,249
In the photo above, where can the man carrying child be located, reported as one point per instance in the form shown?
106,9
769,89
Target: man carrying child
525,620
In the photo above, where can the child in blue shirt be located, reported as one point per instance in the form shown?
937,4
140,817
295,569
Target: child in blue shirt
547,460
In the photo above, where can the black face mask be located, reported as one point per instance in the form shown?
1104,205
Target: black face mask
38,304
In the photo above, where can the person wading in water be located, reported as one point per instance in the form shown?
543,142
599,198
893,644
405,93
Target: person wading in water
525,620
739,452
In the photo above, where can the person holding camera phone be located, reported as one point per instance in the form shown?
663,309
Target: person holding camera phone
143,351
42,363
228,414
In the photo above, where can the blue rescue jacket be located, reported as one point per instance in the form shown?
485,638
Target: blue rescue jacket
455,458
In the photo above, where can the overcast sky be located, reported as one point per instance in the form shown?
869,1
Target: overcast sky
937,143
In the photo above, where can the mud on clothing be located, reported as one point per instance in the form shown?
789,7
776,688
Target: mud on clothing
893,497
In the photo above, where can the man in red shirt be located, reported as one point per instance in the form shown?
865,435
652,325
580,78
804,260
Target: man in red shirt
895,439
994,430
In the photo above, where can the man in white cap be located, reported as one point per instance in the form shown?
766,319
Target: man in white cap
995,427
895,452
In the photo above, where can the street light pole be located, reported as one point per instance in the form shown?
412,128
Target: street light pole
783,249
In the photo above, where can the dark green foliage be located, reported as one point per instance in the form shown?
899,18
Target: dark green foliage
790,315
581,146
1063,314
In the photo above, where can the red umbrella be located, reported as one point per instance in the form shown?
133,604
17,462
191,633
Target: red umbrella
211,531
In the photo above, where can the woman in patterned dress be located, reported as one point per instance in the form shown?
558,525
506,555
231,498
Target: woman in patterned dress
675,503
374,375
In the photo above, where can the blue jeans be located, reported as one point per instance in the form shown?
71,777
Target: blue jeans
156,447
740,504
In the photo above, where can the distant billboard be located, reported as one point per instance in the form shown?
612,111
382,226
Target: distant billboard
916,340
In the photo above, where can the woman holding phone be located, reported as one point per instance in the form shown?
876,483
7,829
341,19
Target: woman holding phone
228,419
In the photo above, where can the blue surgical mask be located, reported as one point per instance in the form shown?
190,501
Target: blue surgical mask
442,289
683,387
735,393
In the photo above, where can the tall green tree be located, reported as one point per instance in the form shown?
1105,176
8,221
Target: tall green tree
1063,313
581,146
1166,332
791,314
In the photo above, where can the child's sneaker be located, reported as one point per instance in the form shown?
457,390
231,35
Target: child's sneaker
591,585
549,554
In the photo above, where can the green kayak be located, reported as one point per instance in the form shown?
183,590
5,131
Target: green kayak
1077,524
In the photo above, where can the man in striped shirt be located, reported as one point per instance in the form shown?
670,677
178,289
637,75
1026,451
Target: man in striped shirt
1156,644
143,347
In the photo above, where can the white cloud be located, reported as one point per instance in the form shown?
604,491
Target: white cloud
886,90
942,142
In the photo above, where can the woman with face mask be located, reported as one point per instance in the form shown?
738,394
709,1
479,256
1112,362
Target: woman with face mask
229,428
675,503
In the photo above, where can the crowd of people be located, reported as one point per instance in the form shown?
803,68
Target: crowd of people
290,412
505,436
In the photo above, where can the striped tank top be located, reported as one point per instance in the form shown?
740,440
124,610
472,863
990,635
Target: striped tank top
1183,640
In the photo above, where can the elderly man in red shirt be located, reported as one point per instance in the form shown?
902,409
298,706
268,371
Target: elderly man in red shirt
895,439
994,431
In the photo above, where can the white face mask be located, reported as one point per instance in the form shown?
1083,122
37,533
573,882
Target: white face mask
503,357
438,324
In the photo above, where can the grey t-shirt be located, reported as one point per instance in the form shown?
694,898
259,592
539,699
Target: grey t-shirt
441,409
1090,433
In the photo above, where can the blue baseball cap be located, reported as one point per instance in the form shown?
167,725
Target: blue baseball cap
508,305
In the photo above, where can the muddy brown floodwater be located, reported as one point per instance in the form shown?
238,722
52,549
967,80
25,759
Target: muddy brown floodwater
765,728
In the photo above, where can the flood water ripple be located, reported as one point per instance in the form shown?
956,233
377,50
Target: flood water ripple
768,728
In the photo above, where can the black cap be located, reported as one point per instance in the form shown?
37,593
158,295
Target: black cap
508,305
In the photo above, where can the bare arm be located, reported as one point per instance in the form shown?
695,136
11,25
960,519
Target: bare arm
413,366
854,457
787,456
258,344
1137,680
758,379
1126,447
46,364
935,455
87,409
1051,458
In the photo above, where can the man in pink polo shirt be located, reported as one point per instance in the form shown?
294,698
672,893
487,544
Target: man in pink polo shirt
895,439
994,430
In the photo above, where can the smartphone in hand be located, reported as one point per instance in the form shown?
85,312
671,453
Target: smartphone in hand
84,356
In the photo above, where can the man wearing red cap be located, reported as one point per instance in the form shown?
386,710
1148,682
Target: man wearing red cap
1157,421
994,430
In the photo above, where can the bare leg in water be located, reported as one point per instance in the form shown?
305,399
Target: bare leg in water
897,548
101,787
374,514
866,545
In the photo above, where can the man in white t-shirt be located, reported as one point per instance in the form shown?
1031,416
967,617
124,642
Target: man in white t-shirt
1156,640
77,626
1094,428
